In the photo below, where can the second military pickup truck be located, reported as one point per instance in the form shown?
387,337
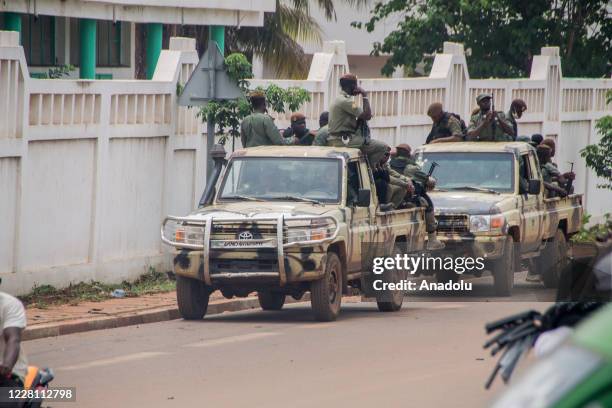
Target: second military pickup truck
490,202
283,221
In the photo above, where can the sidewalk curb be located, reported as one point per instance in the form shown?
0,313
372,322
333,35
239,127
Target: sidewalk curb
148,316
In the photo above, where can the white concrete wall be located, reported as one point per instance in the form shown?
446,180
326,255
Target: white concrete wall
88,169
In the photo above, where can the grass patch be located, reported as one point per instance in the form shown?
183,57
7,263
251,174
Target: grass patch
46,295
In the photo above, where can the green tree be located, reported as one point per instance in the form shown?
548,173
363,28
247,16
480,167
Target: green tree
228,115
599,156
503,35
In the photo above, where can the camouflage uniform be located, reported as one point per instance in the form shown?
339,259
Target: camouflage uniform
447,126
512,122
397,188
258,129
321,137
343,126
487,134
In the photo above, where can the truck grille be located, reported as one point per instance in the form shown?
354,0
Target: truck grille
264,260
452,224
250,230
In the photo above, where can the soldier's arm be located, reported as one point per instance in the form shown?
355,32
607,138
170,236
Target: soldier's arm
397,178
475,128
273,133
505,124
352,109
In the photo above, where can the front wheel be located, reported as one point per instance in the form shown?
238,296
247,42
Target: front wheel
394,298
271,300
503,270
192,297
326,293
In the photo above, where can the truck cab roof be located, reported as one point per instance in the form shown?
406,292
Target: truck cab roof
499,147
298,151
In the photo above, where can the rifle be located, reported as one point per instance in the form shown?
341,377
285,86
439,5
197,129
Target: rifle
493,124
570,182
432,168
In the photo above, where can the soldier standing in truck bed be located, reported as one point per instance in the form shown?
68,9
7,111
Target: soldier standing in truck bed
348,121
446,127
487,125
258,128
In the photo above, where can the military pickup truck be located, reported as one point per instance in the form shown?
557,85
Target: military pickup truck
283,221
490,202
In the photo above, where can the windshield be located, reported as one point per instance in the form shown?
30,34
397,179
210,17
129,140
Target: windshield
282,179
471,170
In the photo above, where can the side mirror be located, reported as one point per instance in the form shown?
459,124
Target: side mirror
535,186
363,198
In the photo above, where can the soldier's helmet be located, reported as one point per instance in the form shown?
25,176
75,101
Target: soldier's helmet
482,96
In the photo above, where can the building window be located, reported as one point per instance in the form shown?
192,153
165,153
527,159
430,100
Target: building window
112,43
38,37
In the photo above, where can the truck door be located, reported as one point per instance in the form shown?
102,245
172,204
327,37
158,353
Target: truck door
360,217
531,209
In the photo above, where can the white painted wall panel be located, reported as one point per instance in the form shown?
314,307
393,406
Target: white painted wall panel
132,207
183,196
9,179
574,137
57,203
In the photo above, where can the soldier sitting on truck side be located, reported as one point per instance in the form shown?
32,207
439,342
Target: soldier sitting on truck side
348,121
446,126
258,128
323,132
298,129
488,125
570,175
553,180
405,164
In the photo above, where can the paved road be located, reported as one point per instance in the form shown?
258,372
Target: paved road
428,354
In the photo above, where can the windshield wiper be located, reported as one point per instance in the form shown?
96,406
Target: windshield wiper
296,198
241,197
484,190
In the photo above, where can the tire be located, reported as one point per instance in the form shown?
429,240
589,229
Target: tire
503,270
271,300
397,296
326,293
192,297
553,260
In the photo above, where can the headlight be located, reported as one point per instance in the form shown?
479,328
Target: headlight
486,223
178,233
551,378
316,229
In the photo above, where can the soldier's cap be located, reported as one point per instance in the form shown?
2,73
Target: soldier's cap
349,77
298,117
405,147
257,94
542,148
483,96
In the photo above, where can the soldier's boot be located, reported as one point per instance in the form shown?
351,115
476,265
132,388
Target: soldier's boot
433,243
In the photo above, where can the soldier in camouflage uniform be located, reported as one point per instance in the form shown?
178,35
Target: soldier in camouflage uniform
553,180
445,128
348,121
298,129
405,163
258,128
489,126
323,132
517,108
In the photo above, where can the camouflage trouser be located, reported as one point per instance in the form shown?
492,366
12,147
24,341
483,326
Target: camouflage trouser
374,150
395,195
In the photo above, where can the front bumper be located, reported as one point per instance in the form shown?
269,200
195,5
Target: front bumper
269,259
480,246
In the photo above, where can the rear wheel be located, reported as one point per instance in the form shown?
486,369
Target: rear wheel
326,293
552,260
271,300
192,297
503,270
394,298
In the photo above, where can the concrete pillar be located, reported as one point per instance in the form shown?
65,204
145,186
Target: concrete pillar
12,22
154,46
217,34
88,49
